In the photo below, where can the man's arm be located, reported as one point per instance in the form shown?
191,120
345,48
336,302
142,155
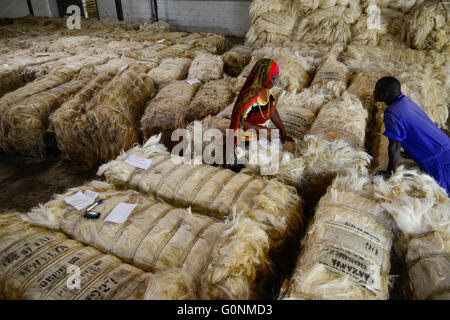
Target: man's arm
395,157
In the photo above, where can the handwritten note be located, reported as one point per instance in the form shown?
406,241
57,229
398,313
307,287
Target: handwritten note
81,200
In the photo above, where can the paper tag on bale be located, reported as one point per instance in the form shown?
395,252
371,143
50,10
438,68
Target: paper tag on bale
161,41
123,68
81,200
139,162
193,81
120,213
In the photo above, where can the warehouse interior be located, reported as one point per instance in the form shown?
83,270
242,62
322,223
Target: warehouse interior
92,93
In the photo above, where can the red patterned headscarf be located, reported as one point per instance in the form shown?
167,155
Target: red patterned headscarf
258,78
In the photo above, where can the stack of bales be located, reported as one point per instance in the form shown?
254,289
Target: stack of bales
206,67
346,253
169,70
101,120
25,112
327,21
226,260
38,264
236,59
332,75
334,144
166,111
273,21
428,26
12,68
421,208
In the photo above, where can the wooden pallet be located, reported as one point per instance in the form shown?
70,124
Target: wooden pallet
91,8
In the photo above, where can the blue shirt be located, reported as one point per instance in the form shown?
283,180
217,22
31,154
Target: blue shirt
418,135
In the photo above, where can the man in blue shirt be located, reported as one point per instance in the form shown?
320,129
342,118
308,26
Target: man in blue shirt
409,127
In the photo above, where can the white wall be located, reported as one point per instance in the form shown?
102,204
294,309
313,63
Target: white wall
45,8
107,9
13,9
137,10
227,17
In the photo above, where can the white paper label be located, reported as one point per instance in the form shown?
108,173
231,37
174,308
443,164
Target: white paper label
123,68
81,200
139,162
193,81
5,65
120,213
161,41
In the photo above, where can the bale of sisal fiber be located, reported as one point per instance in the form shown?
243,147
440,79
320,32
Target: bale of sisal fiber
332,75
169,70
296,118
54,78
12,71
428,26
293,75
24,124
272,22
343,119
228,278
420,207
166,111
428,92
68,121
330,25
155,237
236,59
206,67
211,98
44,261
212,43
106,123
215,191
346,253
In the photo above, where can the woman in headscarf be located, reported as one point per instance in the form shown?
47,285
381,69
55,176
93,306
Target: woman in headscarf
255,105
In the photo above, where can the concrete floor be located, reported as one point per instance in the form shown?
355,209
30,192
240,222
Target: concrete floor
24,184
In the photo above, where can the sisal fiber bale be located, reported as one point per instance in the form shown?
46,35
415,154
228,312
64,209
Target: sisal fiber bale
166,111
293,75
155,237
206,67
107,122
169,70
428,92
211,190
346,253
328,25
236,59
420,208
54,78
272,22
68,121
428,26
332,75
12,69
229,278
343,119
212,43
24,124
296,118
42,263
211,98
